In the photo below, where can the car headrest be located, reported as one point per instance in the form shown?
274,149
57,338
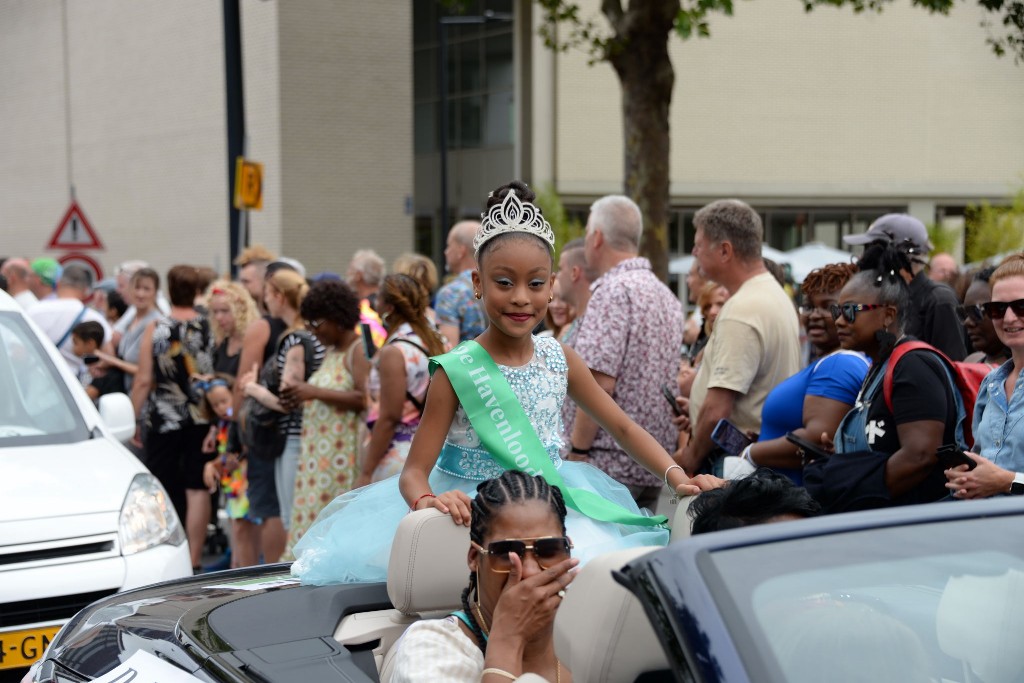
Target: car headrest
979,620
608,639
427,570
681,523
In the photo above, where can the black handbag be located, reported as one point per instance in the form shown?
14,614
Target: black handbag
846,482
261,433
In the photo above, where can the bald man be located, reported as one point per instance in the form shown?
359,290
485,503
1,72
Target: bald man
17,272
943,268
459,315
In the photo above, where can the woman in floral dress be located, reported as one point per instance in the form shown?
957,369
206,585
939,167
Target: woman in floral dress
333,400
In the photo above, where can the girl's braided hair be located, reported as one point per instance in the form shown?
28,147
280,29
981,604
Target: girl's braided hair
512,487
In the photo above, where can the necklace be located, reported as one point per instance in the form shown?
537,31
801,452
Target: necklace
487,632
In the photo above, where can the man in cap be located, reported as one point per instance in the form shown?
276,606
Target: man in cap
43,278
933,316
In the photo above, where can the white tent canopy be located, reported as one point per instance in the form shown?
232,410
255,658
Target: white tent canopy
682,264
812,255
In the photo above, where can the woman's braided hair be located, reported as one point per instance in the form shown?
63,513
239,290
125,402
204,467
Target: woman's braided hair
512,487
410,300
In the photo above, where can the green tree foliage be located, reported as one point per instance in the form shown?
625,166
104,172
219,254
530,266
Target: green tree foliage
994,230
943,239
566,229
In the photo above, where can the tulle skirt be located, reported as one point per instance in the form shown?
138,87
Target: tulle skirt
350,541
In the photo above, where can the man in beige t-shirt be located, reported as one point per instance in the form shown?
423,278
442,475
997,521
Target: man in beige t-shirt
756,339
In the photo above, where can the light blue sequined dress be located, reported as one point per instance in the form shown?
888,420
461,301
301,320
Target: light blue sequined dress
350,541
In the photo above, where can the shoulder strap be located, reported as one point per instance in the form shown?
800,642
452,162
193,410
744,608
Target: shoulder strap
71,327
411,343
898,353
408,394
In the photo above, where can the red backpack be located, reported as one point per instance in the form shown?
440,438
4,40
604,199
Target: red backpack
967,376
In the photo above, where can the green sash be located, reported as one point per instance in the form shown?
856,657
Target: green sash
507,434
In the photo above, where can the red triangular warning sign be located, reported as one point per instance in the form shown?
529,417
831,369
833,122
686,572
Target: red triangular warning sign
74,231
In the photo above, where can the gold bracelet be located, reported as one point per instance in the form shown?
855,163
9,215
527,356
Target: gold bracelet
497,672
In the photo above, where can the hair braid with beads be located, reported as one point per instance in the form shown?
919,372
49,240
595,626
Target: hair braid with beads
512,487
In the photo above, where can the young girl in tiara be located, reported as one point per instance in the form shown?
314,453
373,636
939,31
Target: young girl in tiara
494,404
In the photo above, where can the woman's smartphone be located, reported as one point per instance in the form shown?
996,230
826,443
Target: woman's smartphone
951,456
812,451
730,438
369,348
671,398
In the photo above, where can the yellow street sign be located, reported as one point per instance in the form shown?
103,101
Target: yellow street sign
248,184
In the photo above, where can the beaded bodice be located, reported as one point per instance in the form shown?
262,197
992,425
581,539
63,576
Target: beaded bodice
540,386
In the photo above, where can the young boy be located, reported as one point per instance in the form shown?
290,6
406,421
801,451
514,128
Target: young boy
86,339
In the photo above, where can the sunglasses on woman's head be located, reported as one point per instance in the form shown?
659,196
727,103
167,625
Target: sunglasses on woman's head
850,311
548,551
974,312
997,309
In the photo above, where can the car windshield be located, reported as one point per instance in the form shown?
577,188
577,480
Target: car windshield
926,602
35,405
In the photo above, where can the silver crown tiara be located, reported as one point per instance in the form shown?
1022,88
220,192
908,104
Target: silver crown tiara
512,215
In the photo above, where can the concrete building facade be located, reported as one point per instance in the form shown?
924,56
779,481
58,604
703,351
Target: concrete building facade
822,121
125,102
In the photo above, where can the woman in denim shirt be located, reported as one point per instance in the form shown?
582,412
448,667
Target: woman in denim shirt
999,411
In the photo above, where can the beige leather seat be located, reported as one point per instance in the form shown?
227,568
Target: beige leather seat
601,631
427,570
680,522
426,574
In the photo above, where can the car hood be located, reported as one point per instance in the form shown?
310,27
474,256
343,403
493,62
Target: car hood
38,482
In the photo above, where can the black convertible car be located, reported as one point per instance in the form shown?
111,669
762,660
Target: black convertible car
927,593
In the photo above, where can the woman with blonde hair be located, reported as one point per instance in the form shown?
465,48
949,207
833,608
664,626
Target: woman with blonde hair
231,309
398,376
299,354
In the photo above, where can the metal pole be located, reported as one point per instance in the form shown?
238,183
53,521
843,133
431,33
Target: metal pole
235,102
441,234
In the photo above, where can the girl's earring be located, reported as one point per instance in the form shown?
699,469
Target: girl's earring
551,298
476,294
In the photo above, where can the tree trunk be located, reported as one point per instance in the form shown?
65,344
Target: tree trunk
641,60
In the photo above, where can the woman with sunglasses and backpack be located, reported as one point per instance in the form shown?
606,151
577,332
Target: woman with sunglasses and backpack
520,563
887,455
999,410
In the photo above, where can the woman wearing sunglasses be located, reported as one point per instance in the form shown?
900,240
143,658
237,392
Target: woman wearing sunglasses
813,401
871,316
998,412
520,564
988,348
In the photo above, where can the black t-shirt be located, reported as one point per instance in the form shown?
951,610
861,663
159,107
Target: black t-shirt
921,390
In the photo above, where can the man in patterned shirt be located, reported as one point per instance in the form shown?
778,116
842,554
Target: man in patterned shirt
630,337
459,314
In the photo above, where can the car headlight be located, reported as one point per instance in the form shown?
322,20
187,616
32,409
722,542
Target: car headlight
147,517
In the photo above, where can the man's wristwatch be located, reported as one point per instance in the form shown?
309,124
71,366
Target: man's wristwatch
1017,485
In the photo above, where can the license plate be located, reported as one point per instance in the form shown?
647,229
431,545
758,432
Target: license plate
20,649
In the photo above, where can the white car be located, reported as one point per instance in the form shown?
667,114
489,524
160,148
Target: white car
80,517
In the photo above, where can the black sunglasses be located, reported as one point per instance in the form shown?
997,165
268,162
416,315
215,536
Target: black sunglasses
973,311
850,311
315,324
548,551
997,309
